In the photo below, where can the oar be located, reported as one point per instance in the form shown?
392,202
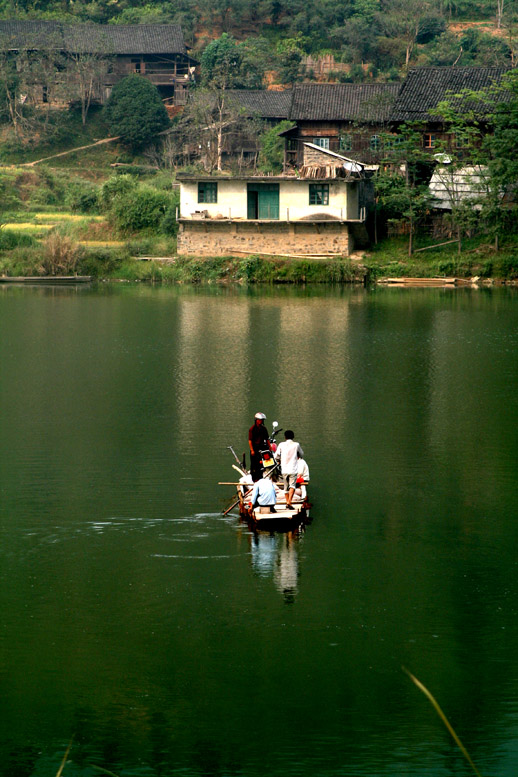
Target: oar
238,500
250,489
241,463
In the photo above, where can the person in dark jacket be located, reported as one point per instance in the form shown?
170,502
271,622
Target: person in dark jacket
257,441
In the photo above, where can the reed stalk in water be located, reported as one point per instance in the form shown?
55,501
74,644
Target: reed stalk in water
444,720
63,762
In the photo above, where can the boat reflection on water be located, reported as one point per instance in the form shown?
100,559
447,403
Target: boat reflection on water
277,555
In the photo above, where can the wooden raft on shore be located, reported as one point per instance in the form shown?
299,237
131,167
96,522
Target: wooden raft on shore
425,281
63,279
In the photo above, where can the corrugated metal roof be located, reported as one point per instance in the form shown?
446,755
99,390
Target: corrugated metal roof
451,187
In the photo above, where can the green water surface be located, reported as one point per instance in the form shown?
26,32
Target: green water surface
162,638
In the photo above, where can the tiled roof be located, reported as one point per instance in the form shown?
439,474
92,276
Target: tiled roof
265,103
425,87
95,38
343,102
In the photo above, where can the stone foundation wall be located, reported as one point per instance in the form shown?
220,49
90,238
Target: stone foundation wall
206,237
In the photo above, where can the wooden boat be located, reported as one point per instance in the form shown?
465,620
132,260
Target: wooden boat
261,518
282,519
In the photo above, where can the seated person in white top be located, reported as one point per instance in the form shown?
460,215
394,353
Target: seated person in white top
302,471
288,453
264,495
302,479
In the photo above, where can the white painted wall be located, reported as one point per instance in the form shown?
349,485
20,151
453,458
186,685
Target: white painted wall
293,200
232,201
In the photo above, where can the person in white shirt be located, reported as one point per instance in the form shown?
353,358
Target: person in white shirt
288,453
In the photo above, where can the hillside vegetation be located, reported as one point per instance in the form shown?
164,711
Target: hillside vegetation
372,37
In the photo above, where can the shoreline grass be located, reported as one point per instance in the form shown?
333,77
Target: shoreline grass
112,260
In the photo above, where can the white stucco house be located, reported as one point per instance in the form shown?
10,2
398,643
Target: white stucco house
290,214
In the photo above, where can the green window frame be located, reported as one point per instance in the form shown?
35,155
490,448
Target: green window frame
321,142
461,140
346,142
375,143
319,194
208,191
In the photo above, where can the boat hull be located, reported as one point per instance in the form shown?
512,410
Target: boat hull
282,520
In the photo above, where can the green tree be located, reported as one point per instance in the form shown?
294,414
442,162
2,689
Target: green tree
227,64
501,146
142,208
401,19
256,52
271,148
461,171
402,192
135,112
290,52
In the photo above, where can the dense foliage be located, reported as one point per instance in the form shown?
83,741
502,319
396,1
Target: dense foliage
385,33
271,145
135,111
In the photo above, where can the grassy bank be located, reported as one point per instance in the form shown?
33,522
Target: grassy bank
91,247
477,259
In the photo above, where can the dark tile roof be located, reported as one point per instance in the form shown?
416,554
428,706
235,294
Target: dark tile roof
343,102
15,35
265,103
95,38
425,87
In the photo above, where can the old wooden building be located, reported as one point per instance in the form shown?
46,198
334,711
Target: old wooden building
350,119
465,88
155,51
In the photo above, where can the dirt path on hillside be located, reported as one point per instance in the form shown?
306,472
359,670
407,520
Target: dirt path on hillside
70,151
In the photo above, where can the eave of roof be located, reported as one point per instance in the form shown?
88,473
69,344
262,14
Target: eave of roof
185,178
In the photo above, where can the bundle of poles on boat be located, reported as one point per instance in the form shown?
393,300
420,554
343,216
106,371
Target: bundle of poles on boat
287,508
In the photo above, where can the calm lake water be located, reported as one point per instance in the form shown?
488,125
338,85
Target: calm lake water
161,638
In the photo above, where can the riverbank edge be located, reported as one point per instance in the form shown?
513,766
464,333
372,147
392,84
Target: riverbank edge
484,268
363,270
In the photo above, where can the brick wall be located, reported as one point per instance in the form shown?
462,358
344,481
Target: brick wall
228,238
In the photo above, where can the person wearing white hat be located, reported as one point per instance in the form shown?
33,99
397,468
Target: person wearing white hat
258,440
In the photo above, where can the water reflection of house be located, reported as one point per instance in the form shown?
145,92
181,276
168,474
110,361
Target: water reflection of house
322,211
155,51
